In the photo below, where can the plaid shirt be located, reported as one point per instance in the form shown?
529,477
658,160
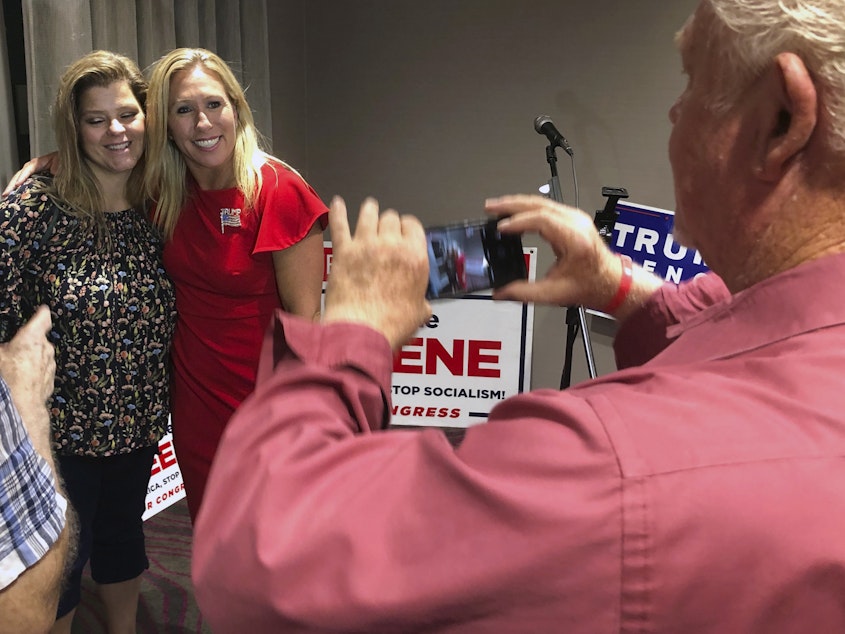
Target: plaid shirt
32,513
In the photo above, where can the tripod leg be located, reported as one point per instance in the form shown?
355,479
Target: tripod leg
566,375
588,344
576,318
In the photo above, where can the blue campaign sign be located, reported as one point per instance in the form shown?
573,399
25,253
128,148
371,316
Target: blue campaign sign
645,235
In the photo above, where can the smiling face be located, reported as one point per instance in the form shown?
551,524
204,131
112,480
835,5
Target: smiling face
202,122
111,130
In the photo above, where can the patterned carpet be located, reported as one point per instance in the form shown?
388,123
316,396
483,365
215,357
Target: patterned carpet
167,603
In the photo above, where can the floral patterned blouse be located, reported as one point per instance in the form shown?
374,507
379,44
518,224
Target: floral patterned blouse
113,317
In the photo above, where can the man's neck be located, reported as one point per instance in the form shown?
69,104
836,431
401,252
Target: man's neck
804,228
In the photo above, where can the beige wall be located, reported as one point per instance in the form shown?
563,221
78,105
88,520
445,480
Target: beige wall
429,106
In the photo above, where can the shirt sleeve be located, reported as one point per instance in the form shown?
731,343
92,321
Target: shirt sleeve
643,335
32,512
315,520
289,207
22,223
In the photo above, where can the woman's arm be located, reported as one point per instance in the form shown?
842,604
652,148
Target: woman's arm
47,162
299,274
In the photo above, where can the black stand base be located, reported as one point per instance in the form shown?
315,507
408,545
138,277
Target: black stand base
576,319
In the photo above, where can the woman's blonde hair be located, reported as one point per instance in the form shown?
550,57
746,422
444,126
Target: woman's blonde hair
75,188
166,169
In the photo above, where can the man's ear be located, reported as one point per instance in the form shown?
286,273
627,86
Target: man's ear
793,117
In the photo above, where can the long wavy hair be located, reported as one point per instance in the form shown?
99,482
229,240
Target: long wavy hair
75,188
166,171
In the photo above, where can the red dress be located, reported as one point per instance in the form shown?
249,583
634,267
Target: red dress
221,263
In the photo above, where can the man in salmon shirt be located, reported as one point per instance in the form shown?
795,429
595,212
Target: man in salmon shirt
701,488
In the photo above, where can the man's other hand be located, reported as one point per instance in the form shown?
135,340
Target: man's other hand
379,274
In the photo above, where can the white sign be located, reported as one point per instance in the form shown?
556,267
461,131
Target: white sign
473,353
165,486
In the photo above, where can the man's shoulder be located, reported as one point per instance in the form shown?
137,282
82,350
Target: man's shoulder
763,405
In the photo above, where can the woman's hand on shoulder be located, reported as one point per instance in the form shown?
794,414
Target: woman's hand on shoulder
47,162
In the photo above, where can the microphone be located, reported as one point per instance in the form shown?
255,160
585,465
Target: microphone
543,124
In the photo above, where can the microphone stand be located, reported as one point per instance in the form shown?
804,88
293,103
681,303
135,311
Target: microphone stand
576,316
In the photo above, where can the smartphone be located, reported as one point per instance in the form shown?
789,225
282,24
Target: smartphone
471,256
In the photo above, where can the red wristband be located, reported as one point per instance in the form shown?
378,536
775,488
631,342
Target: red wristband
624,285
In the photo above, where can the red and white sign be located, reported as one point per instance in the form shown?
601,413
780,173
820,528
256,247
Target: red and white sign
473,353
165,486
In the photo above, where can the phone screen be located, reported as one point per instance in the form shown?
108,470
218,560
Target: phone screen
471,256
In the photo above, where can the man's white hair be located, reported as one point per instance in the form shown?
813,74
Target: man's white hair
748,34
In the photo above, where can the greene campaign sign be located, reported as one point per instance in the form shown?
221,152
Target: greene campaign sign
165,486
472,353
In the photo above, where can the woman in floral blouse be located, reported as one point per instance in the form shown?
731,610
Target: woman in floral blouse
82,244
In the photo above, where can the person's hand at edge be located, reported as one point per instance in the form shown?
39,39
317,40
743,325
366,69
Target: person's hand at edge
585,272
32,166
28,365
379,274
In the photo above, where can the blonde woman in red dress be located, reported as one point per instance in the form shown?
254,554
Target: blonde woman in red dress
243,237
